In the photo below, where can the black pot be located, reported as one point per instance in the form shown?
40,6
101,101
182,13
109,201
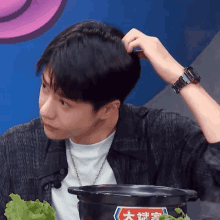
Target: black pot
113,202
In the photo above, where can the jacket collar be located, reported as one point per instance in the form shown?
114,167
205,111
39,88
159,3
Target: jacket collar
130,135
127,141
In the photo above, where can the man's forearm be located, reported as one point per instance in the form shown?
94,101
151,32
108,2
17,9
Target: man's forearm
205,109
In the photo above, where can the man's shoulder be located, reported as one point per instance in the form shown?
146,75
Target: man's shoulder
143,111
23,131
136,119
154,118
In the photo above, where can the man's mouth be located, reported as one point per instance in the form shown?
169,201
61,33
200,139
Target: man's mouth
49,127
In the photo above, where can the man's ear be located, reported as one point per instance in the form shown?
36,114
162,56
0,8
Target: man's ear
110,109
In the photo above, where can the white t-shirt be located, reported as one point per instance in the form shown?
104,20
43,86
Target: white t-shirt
88,160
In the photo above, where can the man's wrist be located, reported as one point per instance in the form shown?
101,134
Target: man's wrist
177,72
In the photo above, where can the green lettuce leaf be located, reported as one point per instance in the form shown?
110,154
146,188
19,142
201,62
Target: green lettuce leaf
169,217
18,209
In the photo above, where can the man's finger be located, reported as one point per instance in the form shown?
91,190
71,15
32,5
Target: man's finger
140,54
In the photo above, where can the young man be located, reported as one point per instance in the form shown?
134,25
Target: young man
87,134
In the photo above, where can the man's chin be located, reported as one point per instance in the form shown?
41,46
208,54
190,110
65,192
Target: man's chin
53,135
59,134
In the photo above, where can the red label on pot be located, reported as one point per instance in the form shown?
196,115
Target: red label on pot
139,213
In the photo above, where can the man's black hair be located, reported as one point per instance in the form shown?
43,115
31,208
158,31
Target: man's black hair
89,63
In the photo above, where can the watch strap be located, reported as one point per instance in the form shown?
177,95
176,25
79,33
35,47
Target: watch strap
185,79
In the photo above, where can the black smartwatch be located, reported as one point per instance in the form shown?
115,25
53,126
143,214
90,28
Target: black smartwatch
189,76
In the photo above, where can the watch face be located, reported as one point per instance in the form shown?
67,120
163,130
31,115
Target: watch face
194,74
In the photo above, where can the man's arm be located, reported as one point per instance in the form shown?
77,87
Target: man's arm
205,109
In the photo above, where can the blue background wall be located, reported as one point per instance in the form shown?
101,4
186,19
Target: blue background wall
167,20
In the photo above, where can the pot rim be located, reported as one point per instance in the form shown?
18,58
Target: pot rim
97,194
88,190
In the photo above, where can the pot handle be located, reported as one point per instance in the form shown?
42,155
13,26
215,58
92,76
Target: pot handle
192,195
75,190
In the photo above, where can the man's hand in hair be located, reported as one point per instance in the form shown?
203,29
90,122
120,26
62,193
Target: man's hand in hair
153,50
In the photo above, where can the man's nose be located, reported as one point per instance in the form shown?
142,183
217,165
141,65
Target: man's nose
48,108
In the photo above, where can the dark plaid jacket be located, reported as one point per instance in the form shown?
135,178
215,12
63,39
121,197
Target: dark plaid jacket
151,147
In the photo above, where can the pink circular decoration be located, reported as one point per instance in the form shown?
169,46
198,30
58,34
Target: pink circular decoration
8,7
38,14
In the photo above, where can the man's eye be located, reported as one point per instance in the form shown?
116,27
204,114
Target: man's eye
62,102
44,85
